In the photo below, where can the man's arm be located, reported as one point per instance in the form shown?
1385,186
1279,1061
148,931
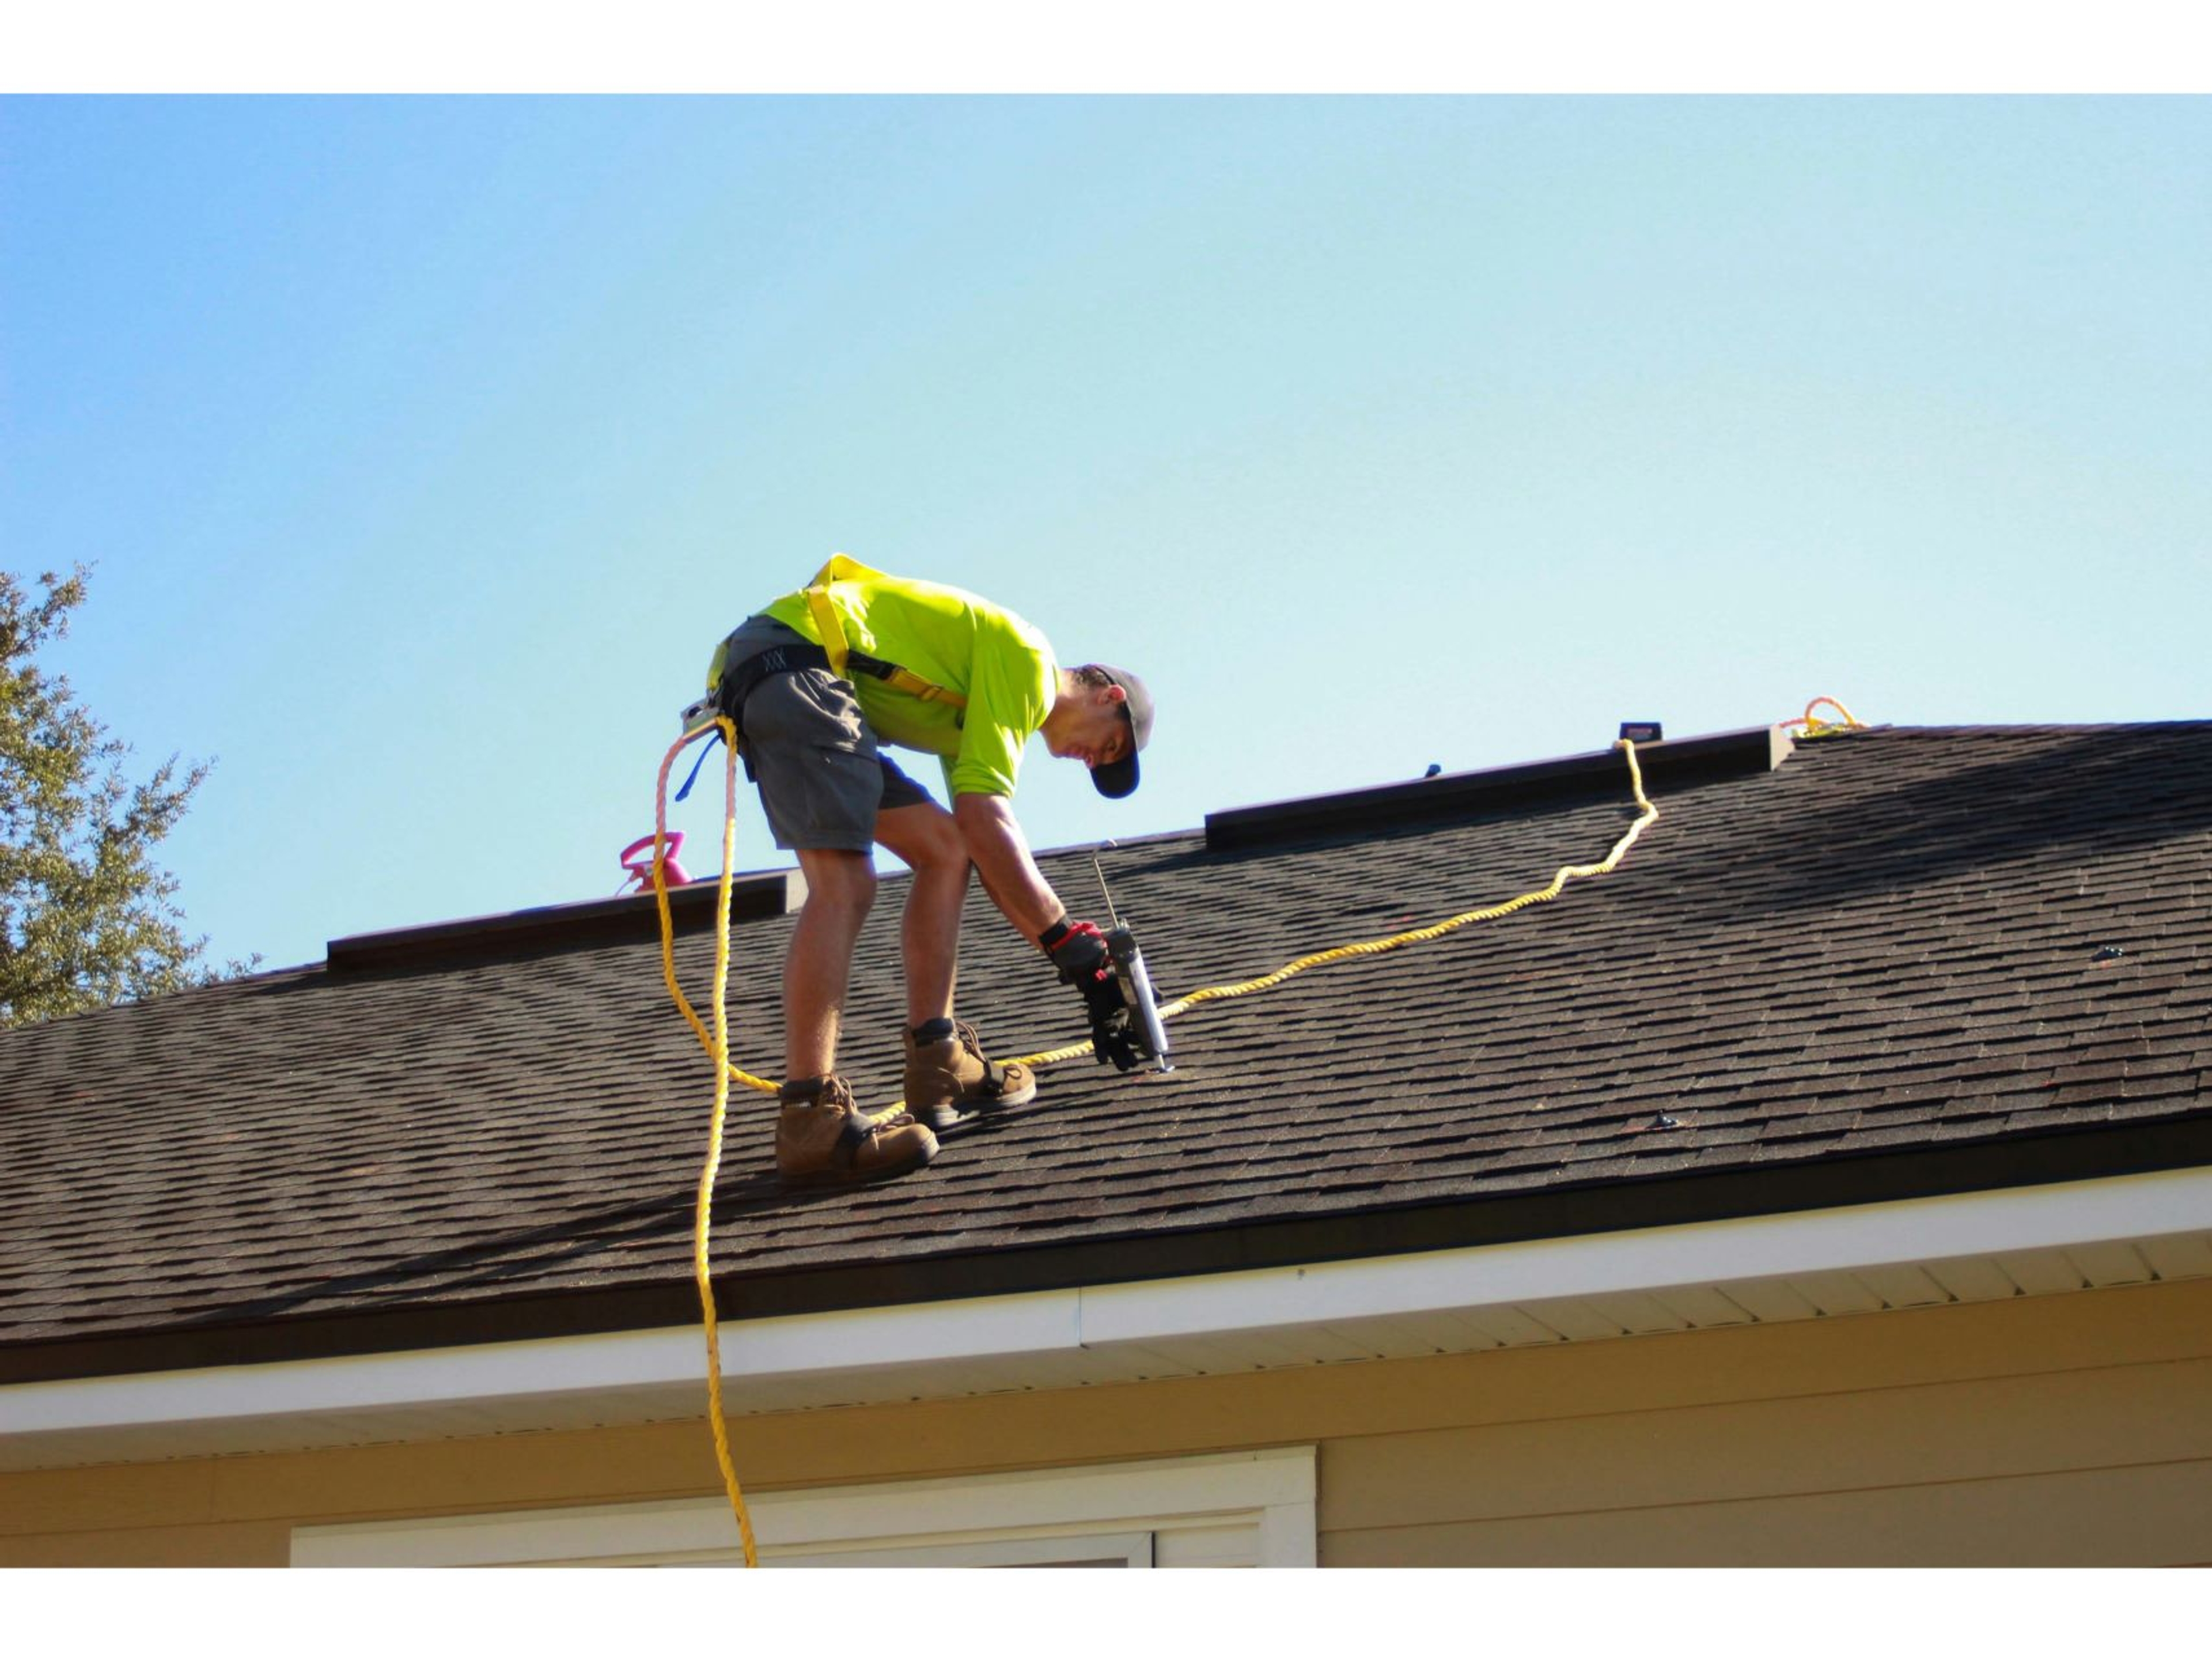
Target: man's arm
1001,857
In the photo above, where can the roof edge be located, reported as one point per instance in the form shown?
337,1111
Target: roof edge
1766,1187
1676,762
1105,1332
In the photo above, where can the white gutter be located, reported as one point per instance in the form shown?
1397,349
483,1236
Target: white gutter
2000,1244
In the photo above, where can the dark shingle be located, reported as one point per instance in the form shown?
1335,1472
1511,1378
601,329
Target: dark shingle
1888,944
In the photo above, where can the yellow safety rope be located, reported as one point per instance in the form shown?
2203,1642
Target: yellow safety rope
702,1220
661,889
718,1044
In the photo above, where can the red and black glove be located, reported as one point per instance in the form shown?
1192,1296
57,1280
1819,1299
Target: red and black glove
1078,952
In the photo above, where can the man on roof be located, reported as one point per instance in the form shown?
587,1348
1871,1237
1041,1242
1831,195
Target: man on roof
817,682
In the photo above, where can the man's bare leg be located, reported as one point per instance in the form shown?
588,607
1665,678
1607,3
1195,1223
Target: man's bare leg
949,1082
925,836
840,886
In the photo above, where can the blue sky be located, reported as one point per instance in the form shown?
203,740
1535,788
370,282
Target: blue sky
424,447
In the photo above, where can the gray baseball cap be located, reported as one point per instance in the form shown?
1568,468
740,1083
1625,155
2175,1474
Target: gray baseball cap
1118,778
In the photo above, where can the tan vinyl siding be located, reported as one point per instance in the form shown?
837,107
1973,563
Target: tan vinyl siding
1987,1471
194,1546
2154,1514
2066,1429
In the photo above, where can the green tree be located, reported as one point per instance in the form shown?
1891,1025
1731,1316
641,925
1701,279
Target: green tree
86,918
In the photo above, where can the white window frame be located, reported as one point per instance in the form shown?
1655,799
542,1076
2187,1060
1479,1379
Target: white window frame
1248,1509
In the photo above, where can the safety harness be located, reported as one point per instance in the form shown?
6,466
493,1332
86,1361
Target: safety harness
843,568
835,654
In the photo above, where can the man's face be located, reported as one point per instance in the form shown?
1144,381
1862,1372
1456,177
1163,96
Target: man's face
1097,730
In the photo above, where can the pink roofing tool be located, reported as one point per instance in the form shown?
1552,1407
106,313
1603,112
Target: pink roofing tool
637,860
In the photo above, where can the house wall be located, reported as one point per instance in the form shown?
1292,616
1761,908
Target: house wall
2066,1429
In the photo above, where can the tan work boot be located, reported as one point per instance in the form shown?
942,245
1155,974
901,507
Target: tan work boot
950,1083
822,1140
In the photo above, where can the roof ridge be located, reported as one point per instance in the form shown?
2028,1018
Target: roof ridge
1454,796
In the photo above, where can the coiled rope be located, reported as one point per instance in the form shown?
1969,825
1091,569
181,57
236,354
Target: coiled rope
1817,728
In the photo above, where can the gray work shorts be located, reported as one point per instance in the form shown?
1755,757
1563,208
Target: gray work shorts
823,779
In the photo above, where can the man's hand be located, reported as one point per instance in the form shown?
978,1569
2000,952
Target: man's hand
1078,952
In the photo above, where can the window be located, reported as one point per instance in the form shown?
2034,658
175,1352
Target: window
1236,1510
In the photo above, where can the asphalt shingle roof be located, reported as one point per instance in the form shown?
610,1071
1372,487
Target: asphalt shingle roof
1901,939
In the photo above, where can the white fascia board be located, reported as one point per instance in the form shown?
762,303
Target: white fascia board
939,1334
1694,1253
960,1335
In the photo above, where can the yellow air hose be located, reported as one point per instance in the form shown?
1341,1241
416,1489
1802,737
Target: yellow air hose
718,1045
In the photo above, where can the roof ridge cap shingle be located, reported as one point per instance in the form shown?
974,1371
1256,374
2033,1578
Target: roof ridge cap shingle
1454,796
